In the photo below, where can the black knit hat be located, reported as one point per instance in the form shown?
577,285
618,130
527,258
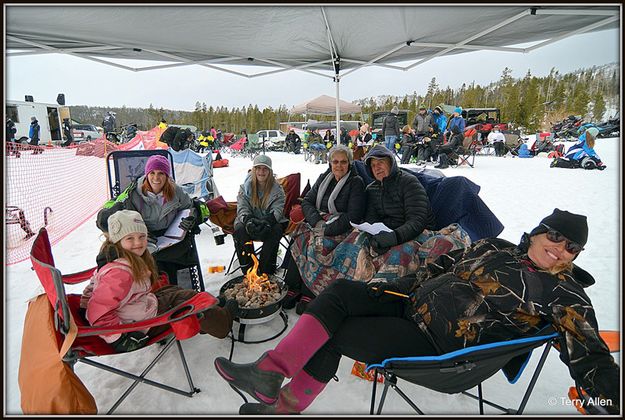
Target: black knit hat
573,226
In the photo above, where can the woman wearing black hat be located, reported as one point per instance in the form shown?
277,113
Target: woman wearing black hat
492,291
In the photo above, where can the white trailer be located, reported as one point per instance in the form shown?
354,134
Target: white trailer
50,117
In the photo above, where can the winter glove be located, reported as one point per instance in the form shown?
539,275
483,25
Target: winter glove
380,291
130,341
264,229
252,226
383,241
187,223
270,219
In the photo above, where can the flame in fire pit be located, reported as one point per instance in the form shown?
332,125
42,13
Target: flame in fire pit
252,280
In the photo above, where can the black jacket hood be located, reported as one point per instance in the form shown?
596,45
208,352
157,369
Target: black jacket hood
379,152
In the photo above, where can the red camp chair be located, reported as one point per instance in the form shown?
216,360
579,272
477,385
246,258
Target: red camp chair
223,213
182,321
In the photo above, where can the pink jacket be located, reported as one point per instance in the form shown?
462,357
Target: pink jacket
113,297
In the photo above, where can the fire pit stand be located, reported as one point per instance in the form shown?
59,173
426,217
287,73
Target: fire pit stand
259,315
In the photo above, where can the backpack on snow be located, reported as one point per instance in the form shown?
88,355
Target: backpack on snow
564,163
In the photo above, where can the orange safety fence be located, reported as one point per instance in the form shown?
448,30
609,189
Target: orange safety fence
48,186
57,187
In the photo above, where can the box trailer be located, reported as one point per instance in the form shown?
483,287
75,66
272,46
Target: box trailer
50,117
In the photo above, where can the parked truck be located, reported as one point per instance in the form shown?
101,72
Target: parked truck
50,117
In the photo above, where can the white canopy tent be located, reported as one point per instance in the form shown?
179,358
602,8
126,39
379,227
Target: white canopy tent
329,41
325,105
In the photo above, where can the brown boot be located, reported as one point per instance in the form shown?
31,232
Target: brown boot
217,321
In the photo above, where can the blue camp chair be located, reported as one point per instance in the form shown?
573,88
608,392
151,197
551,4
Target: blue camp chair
194,173
461,370
125,167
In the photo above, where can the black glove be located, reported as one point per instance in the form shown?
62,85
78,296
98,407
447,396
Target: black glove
130,341
382,242
263,230
271,219
252,226
385,239
187,223
378,290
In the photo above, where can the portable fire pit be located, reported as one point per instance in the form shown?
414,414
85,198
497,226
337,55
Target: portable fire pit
260,300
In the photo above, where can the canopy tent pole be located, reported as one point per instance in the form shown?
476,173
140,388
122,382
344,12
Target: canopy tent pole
336,62
338,112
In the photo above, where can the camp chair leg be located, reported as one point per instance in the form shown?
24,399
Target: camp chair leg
530,387
487,402
405,397
375,383
141,378
481,398
228,272
186,368
387,383
528,391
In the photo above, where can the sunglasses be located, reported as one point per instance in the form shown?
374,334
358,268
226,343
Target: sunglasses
570,246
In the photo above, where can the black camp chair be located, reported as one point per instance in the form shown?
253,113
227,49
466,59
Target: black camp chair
125,167
461,370
466,154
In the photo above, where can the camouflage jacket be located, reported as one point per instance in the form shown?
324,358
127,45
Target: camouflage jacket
492,292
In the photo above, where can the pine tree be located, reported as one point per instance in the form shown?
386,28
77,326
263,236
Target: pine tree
598,107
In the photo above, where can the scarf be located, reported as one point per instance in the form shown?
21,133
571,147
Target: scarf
335,192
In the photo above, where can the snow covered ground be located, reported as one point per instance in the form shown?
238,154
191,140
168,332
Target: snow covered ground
519,191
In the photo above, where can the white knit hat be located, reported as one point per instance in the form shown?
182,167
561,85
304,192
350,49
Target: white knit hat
124,222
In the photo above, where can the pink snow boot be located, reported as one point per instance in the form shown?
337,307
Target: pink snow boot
263,378
294,398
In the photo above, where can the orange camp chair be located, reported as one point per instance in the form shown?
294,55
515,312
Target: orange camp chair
223,213
182,321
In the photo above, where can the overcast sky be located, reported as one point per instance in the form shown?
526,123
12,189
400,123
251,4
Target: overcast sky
88,83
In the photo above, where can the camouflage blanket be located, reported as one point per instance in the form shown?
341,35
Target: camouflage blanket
321,260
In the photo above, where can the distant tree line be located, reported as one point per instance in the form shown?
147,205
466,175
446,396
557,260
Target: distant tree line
531,102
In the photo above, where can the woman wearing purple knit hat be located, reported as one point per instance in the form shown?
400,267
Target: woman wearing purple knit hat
158,199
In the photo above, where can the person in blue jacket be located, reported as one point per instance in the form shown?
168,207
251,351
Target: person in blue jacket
583,151
456,121
33,133
439,118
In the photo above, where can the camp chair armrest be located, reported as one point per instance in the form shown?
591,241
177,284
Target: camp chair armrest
193,306
78,277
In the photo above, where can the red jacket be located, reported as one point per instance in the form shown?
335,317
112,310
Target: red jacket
113,297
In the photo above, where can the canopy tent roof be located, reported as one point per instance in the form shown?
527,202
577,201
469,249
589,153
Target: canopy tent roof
325,105
304,38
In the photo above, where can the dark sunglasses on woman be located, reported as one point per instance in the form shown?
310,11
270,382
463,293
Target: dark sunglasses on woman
570,246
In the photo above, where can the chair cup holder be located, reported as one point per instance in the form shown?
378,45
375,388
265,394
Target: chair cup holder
186,327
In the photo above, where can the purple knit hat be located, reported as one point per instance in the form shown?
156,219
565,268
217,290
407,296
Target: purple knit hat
158,163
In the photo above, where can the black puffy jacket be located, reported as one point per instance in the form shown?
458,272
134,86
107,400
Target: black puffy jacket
350,203
399,200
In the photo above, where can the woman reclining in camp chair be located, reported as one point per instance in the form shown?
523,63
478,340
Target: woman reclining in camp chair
396,199
159,199
492,291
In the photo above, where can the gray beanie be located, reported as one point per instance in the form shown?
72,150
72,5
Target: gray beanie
395,110
124,222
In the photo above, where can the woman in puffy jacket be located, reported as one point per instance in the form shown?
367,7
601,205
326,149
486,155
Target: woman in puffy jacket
337,198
